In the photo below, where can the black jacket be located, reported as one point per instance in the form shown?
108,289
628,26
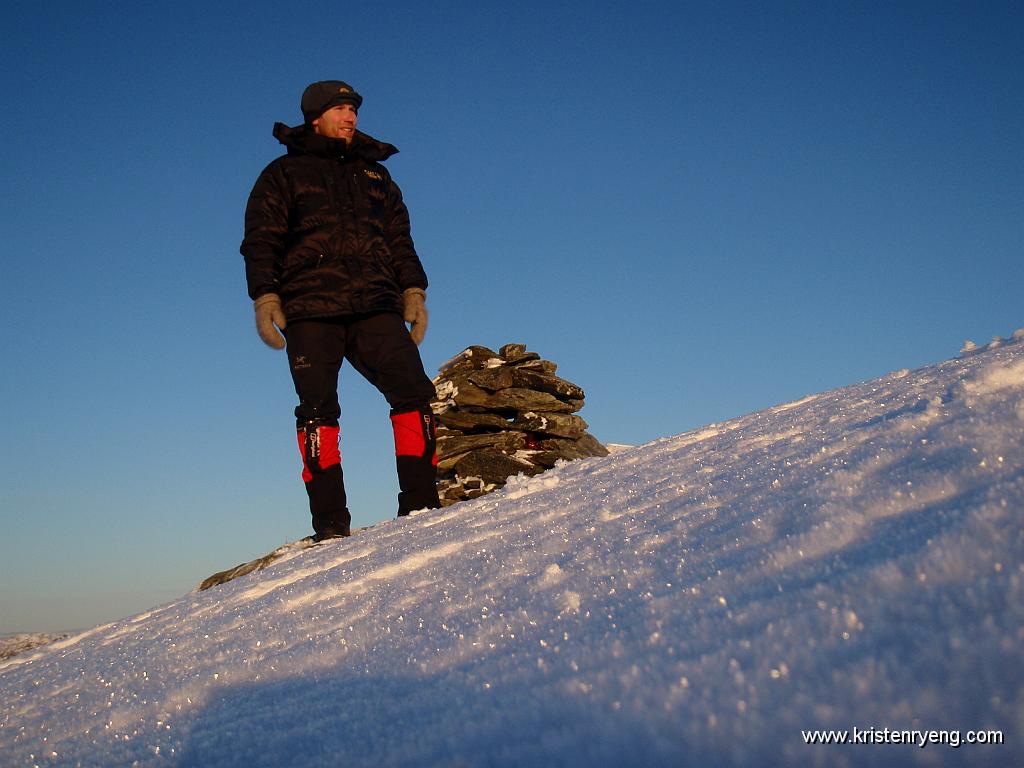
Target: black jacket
326,229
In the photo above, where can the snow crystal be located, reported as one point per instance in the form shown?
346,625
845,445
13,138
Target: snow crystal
570,602
553,574
522,485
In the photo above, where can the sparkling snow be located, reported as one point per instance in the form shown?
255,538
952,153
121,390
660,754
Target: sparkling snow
852,559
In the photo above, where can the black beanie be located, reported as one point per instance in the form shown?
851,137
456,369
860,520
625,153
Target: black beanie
321,96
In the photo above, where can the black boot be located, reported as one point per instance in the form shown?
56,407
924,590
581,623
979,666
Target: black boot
416,459
325,482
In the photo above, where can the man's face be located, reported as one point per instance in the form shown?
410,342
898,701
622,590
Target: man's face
337,123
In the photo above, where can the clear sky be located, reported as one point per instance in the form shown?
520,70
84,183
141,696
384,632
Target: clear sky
696,209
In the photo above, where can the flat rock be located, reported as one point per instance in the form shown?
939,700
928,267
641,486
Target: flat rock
525,357
497,379
545,459
584,447
543,366
511,399
544,382
470,359
554,424
451,450
494,379
471,422
492,466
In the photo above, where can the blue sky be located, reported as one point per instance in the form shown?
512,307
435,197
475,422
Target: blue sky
697,209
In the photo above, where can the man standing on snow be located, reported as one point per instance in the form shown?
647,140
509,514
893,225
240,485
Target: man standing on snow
331,265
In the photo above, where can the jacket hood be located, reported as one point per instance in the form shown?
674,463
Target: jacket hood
302,140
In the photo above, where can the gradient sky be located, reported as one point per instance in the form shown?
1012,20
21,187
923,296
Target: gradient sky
696,209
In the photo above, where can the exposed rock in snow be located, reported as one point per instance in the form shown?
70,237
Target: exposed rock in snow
12,645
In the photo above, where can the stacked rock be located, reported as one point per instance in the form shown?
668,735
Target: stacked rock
504,413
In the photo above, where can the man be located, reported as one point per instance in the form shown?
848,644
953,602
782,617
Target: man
330,264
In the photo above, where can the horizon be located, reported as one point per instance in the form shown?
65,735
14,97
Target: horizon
969,350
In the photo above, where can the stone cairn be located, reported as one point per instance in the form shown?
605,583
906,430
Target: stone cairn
504,413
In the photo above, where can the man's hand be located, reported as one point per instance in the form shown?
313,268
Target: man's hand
414,303
268,315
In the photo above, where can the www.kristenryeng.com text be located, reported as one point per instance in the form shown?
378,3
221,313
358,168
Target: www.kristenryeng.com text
918,737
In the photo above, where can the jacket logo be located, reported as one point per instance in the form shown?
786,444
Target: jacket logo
373,175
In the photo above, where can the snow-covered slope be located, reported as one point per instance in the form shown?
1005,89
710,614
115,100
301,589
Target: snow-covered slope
850,560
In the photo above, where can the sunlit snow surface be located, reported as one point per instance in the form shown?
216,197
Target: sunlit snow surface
853,559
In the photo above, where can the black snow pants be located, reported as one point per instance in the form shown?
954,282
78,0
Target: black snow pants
379,347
